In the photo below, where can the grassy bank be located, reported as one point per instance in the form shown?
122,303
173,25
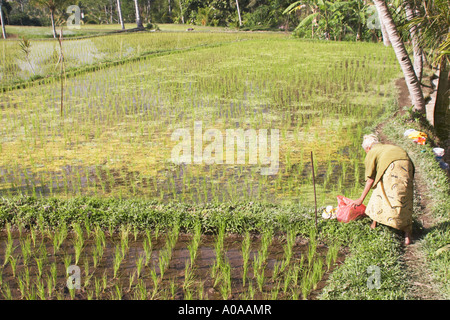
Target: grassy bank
437,186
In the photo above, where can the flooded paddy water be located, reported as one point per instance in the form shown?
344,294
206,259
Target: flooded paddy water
117,135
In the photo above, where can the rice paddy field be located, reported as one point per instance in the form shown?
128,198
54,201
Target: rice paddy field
118,132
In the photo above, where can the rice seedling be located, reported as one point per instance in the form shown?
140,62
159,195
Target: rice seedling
156,280
13,263
139,265
245,249
50,286
6,291
26,277
72,292
118,258
39,265
9,247
147,245
40,289
118,292
67,260
97,288
332,254
21,285
188,277
141,290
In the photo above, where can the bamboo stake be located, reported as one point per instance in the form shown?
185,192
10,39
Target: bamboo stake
314,184
63,69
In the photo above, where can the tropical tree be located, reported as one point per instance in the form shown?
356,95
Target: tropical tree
119,10
239,13
312,10
52,6
414,88
2,20
333,18
138,15
433,25
410,10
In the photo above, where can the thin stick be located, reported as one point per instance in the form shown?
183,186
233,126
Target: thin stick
63,69
314,184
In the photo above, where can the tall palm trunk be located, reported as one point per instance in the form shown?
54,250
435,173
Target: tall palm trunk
2,21
119,9
52,18
414,88
239,13
417,50
384,33
181,12
138,16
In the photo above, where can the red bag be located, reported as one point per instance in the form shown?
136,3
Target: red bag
345,213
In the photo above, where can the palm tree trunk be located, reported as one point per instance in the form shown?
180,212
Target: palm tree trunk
384,33
441,115
138,16
181,12
239,13
52,18
417,50
119,9
414,88
2,21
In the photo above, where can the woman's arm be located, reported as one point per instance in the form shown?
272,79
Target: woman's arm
366,190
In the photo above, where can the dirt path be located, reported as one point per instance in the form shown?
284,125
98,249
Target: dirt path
422,286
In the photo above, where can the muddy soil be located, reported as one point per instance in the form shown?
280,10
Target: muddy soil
26,280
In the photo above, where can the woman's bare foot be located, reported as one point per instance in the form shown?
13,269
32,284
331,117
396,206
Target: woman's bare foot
373,225
408,239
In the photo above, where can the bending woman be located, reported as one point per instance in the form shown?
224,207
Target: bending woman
390,172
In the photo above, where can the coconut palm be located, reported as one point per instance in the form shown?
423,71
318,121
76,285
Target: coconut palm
239,13
414,88
52,6
433,22
138,15
119,9
410,10
2,21
384,33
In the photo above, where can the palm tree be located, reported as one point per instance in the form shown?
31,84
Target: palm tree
51,5
319,9
2,20
433,22
138,16
384,33
414,88
414,32
119,9
239,13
